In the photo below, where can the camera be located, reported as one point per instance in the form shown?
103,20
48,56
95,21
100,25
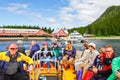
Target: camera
90,68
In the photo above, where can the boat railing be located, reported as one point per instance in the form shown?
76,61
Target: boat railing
39,70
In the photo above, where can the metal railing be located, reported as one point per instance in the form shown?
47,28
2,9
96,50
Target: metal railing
38,70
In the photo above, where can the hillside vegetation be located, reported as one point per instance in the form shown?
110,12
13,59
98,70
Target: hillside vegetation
107,24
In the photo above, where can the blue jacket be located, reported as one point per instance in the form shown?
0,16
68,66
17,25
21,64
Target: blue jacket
5,59
35,48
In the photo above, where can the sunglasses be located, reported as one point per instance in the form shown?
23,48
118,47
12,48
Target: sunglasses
108,51
13,48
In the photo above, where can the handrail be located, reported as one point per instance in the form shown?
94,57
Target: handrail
37,59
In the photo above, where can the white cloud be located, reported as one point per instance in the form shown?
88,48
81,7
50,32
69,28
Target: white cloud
38,15
16,8
86,11
22,9
51,20
74,13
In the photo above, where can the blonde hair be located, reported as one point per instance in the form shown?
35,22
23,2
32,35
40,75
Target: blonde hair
20,42
102,49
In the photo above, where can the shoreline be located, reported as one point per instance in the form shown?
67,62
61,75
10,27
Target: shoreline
111,37
23,38
49,38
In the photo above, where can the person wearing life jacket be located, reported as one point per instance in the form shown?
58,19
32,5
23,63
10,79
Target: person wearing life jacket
69,55
99,59
102,64
11,63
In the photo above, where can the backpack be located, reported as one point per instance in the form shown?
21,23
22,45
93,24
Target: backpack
79,74
88,75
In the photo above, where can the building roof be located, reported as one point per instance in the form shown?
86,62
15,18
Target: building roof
22,32
60,32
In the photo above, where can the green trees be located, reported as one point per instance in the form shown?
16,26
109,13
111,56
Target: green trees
107,24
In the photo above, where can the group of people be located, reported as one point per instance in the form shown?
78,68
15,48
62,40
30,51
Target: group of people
101,64
47,55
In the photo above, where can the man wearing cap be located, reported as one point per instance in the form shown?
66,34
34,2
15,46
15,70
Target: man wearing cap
88,58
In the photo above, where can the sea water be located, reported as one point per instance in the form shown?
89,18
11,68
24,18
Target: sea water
99,43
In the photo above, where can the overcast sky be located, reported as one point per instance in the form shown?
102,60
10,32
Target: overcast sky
52,13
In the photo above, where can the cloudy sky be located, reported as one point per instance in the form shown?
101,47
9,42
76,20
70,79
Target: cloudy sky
52,13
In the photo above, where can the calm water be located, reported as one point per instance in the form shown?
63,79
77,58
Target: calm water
99,44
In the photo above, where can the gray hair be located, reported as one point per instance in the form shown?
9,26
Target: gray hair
20,42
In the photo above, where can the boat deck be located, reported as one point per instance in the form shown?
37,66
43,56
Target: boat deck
65,75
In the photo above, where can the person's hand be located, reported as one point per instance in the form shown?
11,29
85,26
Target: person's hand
76,60
118,74
95,70
66,56
31,67
55,60
44,55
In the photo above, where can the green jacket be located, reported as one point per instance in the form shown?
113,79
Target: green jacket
115,67
57,51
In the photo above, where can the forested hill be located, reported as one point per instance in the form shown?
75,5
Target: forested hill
107,24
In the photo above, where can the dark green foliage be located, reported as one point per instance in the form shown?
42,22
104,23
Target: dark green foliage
81,30
48,30
107,24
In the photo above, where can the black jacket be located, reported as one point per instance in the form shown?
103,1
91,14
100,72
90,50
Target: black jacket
1,74
48,53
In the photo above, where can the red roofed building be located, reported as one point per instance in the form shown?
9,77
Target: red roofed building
60,33
22,32
42,33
